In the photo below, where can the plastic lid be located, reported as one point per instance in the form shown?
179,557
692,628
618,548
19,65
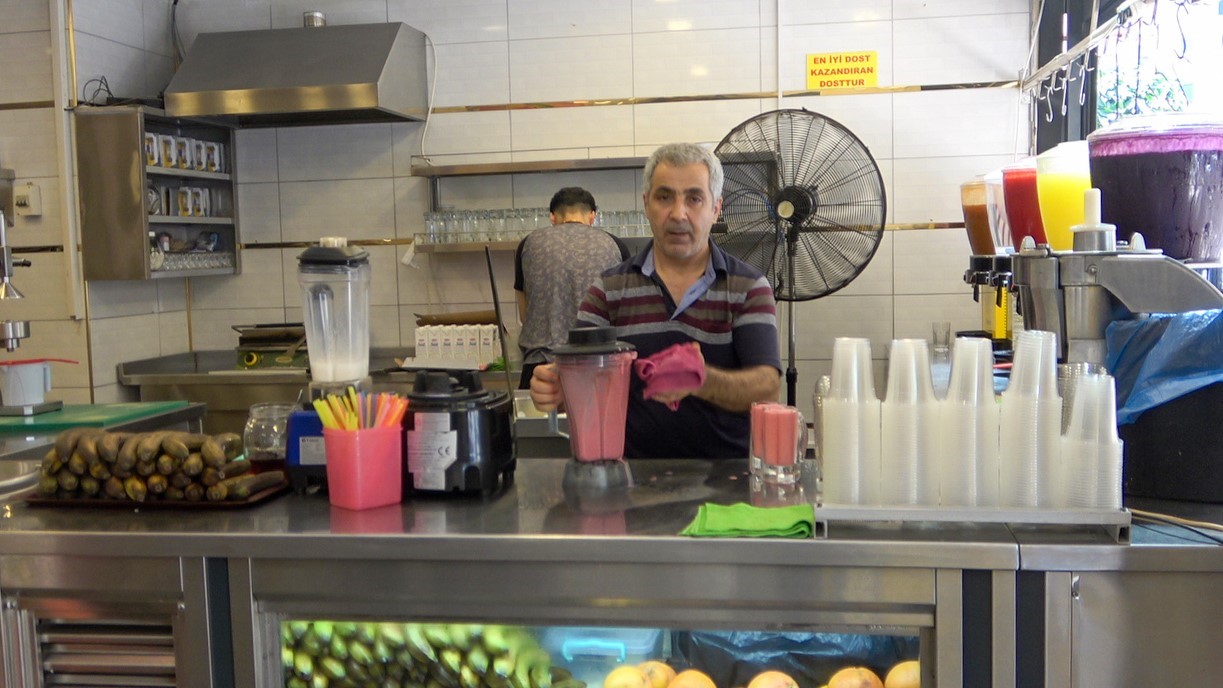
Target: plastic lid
447,386
1163,133
334,255
589,341
333,241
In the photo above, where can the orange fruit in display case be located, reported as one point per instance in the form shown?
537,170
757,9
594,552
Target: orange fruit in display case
855,677
627,677
660,673
772,679
692,678
904,675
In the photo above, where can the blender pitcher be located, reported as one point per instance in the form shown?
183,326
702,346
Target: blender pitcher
334,278
595,370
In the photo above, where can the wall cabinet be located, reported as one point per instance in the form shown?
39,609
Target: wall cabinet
157,195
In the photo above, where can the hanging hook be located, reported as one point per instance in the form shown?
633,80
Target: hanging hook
1065,92
1048,98
1083,79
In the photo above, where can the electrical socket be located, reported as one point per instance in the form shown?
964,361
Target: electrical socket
28,200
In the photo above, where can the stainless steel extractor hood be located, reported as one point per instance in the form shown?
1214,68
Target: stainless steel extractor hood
321,75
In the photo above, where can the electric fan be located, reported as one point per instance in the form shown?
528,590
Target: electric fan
803,202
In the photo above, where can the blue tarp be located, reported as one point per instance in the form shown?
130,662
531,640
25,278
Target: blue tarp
1161,357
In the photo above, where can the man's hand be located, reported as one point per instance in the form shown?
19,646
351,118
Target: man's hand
675,395
546,388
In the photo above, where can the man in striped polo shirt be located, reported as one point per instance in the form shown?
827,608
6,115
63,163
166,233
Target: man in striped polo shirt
683,288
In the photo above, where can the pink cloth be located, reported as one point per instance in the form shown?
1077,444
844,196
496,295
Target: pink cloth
678,367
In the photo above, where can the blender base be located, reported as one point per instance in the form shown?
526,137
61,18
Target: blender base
593,477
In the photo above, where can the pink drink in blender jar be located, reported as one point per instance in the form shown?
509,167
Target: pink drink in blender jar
595,370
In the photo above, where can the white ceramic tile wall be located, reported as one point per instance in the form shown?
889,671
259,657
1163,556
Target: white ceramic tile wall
115,340
684,63
27,72
298,184
38,230
112,299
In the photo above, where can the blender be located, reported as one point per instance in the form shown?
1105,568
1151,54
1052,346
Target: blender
335,279
594,371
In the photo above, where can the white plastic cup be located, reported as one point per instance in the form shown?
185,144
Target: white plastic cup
968,447
1091,449
1034,369
909,439
1068,376
849,423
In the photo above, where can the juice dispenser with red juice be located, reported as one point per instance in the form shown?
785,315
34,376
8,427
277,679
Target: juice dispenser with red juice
1022,202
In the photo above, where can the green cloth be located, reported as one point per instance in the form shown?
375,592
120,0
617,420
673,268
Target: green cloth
745,520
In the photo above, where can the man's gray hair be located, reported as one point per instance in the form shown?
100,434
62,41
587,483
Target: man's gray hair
680,154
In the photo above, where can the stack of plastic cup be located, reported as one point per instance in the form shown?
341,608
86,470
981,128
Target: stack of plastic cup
1068,376
968,422
1091,449
909,427
1030,420
850,427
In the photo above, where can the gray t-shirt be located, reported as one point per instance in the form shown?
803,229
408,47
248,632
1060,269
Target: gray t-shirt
554,267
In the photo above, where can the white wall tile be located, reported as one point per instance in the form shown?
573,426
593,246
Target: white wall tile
156,21
571,127
17,16
384,329
593,67
557,18
221,15
453,21
612,189
122,65
823,320
27,67
158,70
700,122
259,212
350,151
357,209
678,63
471,74
27,145
405,146
174,333
650,16
931,262
945,50
876,278
384,279
119,21
928,189
259,285
171,295
411,202
799,41
915,313
477,192
255,155
116,340
834,11
468,132
287,14
912,9
117,298
958,122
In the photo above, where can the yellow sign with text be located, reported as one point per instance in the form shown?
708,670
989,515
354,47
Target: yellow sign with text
842,70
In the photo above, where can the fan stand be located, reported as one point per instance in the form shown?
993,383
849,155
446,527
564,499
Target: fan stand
786,211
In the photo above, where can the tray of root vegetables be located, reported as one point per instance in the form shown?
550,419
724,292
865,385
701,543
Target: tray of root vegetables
165,469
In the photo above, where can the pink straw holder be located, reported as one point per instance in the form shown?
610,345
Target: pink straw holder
364,467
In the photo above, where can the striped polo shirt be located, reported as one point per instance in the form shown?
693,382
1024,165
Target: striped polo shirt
735,322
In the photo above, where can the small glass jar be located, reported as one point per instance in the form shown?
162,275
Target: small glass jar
265,434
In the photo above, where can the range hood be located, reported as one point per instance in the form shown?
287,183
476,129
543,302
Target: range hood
318,75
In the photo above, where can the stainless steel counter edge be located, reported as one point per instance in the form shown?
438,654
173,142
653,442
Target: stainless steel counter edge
533,520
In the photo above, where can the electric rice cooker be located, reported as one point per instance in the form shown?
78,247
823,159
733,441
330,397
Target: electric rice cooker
457,434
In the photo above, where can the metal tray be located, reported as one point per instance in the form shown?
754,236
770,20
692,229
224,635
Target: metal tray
160,504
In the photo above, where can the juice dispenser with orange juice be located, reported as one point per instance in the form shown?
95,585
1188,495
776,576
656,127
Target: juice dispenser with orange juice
1063,173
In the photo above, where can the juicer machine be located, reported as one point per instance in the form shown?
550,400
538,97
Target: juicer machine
1077,293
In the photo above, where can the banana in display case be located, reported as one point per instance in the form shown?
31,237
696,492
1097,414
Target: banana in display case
344,654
